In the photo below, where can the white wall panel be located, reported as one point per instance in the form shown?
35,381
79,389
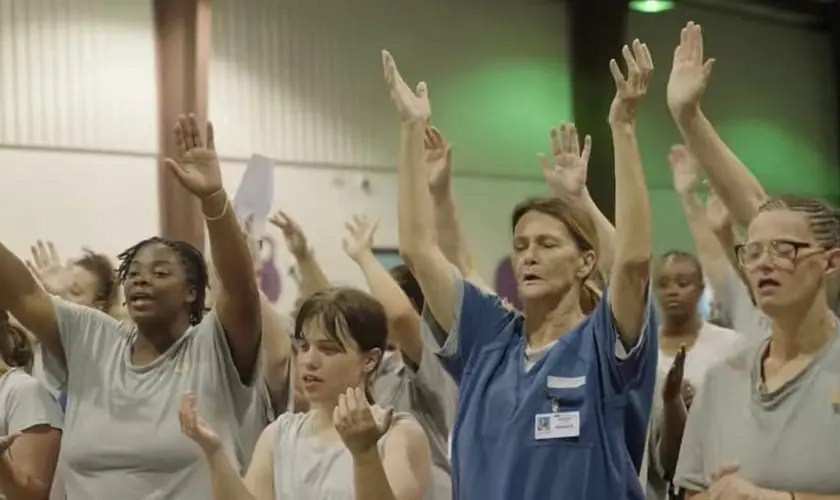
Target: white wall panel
322,200
301,80
78,74
104,201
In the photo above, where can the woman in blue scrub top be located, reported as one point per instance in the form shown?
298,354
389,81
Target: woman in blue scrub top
553,403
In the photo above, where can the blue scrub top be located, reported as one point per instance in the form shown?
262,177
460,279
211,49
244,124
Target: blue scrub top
495,453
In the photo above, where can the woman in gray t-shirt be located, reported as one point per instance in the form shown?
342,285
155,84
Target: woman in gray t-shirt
342,448
125,379
30,421
766,423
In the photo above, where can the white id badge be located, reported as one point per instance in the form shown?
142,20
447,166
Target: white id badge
557,425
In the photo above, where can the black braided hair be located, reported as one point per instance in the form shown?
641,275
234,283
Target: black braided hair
192,261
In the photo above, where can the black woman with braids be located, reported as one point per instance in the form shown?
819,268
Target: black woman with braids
125,379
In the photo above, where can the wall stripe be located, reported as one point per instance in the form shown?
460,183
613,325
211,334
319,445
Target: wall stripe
78,73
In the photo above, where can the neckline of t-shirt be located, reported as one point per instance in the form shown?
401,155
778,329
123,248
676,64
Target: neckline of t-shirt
129,345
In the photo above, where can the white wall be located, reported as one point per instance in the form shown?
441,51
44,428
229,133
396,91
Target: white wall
78,123
771,97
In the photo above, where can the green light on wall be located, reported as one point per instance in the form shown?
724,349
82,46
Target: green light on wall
651,6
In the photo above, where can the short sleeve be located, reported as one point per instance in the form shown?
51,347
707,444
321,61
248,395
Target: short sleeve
691,473
214,345
631,368
479,317
85,334
29,404
437,387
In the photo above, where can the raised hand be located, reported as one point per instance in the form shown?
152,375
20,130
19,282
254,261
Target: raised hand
354,420
717,215
566,175
689,73
46,265
672,389
630,90
195,428
439,161
197,166
292,233
413,105
684,169
359,239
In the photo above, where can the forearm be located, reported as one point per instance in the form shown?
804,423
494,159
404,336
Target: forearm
229,250
710,253
17,281
17,486
450,234
276,348
739,190
225,481
398,308
633,235
312,276
369,478
673,425
414,207
606,236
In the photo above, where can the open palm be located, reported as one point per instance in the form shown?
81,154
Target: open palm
292,233
197,166
438,160
689,73
194,427
631,89
413,105
359,239
566,175
684,169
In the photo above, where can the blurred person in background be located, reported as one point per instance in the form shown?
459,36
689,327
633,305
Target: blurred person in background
30,421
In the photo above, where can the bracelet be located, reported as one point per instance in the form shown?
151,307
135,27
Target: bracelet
224,209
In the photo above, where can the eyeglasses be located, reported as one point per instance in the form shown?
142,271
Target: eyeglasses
781,251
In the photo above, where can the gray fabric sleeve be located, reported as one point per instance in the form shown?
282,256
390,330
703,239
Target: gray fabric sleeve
29,404
85,334
214,344
691,473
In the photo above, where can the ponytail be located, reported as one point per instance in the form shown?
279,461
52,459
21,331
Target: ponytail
590,295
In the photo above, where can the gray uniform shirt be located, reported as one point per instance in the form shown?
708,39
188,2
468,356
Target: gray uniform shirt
122,438
306,469
25,403
428,393
786,440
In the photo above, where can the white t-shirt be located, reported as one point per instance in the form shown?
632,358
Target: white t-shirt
713,344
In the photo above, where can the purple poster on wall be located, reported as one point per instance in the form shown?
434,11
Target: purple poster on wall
506,283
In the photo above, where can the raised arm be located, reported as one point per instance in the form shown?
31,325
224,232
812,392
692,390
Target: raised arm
226,482
403,319
415,212
566,177
633,248
30,304
728,176
713,258
237,297
312,276
276,341
29,454
402,470
450,234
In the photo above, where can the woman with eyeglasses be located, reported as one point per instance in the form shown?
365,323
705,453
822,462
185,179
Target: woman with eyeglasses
766,423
